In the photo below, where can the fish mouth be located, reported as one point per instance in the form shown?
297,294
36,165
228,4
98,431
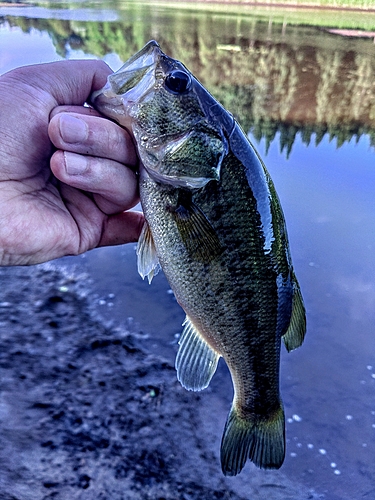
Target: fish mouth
126,85
144,57
135,70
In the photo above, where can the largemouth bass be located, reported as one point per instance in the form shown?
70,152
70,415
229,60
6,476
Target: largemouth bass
215,226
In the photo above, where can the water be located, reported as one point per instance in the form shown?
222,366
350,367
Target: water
306,97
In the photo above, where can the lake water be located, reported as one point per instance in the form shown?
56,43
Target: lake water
307,98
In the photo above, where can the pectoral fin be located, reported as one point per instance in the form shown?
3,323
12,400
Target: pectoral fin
148,262
198,235
196,361
295,334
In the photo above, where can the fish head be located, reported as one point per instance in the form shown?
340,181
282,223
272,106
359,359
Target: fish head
177,125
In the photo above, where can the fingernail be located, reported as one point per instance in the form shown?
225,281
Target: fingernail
72,129
75,164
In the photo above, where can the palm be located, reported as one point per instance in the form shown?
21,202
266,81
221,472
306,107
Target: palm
55,218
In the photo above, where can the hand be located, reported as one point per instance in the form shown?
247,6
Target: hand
64,202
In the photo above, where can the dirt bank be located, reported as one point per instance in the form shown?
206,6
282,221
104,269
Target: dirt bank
87,413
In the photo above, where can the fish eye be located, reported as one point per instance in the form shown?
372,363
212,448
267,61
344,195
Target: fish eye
178,82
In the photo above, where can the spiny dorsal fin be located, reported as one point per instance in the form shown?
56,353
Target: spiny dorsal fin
148,262
196,361
197,233
295,334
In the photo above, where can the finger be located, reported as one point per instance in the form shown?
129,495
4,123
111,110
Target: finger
86,134
121,228
93,228
37,89
115,186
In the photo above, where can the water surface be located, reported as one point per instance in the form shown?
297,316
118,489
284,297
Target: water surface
306,97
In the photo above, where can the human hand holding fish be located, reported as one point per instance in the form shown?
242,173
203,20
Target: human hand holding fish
67,174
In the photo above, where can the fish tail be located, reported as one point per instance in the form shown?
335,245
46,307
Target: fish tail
263,442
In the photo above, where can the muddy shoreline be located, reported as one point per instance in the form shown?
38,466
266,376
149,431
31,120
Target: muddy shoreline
86,412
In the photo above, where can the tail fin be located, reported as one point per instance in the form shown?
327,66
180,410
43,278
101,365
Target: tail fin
262,442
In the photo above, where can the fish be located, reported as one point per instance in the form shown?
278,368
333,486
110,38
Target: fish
215,226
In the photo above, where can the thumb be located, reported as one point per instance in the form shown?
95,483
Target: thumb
64,82
71,82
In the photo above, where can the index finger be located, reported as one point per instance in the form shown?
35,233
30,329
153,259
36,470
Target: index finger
101,137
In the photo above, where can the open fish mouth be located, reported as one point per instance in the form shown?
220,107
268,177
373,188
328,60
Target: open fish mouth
125,87
134,76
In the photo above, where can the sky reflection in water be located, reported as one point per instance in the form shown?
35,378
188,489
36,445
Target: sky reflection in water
327,197
328,385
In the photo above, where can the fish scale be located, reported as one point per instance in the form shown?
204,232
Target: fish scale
215,225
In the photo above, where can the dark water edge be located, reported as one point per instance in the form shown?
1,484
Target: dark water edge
88,412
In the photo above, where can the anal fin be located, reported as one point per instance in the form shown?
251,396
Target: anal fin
196,361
